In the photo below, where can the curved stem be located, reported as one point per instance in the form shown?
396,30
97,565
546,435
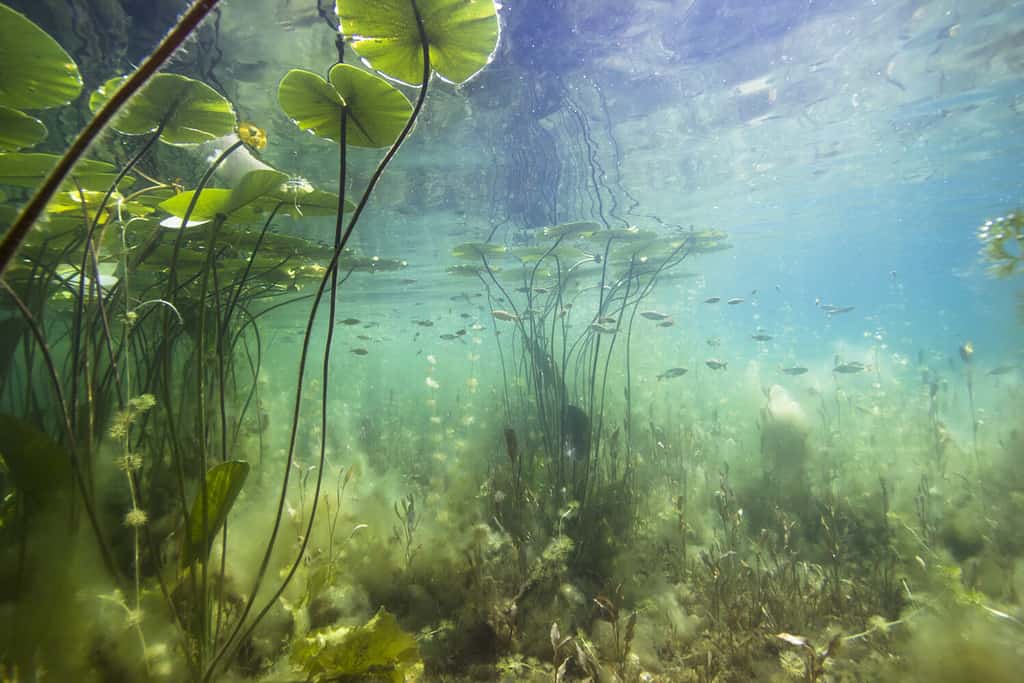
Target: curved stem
233,638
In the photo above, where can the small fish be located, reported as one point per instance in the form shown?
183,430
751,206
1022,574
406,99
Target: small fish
501,314
849,368
540,290
460,333
602,329
793,370
448,337
654,315
349,321
716,364
714,342
713,300
832,309
465,316
667,323
1002,370
364,337
734,301
605,320
761,337
359,351
672,372
424,323
407,281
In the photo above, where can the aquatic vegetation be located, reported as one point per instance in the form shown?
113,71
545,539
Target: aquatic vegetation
235,446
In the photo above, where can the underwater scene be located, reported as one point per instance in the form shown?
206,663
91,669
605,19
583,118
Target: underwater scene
617,341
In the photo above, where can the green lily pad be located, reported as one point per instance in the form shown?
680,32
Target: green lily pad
376,111
462,34
250,200
570,229
223,484
27,169
19,130
194,111
476,250
35,72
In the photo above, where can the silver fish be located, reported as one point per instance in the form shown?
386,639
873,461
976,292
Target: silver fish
672,372
654,315
716,364
734,301
793,371
761,337
713,300
849,368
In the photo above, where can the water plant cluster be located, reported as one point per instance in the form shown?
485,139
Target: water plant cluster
189,493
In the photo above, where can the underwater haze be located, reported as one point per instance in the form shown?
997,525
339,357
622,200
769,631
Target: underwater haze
543,340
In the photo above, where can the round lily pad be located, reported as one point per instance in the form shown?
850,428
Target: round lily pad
27,169
462,34
19,130
375,110
35,72
194,112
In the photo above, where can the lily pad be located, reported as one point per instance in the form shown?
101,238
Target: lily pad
194,112
253,197
35,72
462,35
476,250
570,229
27,169
19,130
376,111
223,484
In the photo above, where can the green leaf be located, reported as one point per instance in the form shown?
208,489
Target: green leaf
462,35
376,111
378,650
27,169
35,72
476,250
19,130
223,484
570,229
194,111
39,467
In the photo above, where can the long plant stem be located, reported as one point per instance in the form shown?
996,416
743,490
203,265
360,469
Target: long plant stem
233,638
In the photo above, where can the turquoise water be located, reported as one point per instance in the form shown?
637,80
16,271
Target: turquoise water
665,349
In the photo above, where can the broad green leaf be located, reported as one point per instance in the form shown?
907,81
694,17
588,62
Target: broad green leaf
35,72
223,484
254,196
376,111
39,467
19,130
462,35
378,650
27,169
194,112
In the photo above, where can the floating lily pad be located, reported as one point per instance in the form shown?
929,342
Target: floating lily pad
35,72
476,250
27,169
194,112
375,110
462,36
254,196
18,130
573,229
